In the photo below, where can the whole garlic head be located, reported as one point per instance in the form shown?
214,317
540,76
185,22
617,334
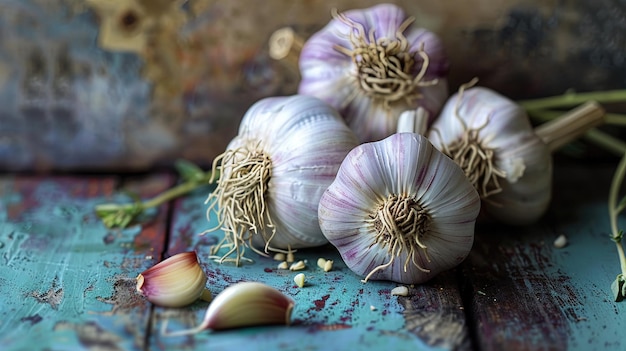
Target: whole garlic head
491,138
372,65
400,210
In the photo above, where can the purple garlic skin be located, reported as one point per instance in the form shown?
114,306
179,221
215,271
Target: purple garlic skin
370,99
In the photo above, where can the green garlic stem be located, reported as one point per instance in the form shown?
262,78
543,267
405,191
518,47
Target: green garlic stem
606,141
616,119
168,195
571,99
614,210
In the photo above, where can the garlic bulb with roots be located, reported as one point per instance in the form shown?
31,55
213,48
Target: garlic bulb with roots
372,65
509,162
400,210
273,174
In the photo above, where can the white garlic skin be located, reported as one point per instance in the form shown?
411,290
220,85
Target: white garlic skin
522,155
306,140
331,75
404,163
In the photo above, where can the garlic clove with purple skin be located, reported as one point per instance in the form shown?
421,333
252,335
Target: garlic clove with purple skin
373,64
174,282
400,210
244,304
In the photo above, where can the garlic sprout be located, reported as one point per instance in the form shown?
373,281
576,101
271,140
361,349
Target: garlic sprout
273,174
490,137
372,65
400,210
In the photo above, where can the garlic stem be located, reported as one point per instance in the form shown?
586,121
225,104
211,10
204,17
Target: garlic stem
570,126
286,45
609,142
572,99
413,121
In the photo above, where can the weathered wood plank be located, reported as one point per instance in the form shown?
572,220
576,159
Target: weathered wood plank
334,311
66,282
528,295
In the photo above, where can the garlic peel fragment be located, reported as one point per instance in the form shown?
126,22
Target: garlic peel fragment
175,282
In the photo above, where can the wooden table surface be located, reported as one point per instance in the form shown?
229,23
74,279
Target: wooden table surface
68,283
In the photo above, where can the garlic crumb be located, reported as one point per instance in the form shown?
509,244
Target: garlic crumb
560,242
400,291
372,308
328,266
299,279
321,262
290,257
298,266
283,265
279,257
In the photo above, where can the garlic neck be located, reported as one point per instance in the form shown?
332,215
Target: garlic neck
571,125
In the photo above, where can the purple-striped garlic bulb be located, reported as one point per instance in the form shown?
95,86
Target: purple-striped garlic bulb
400,210
373,64
273,173
491,138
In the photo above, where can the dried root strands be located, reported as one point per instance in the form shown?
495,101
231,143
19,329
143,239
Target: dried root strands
373,64
400,210
272,175
510,164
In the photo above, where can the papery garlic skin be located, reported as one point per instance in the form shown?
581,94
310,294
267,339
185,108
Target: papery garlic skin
333,76
502,126
404,165
304,139
174,282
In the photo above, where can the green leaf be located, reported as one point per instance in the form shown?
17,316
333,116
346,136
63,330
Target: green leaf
189,171
618,238
618,288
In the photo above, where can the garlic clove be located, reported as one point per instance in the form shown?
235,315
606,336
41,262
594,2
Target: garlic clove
175,282
244,304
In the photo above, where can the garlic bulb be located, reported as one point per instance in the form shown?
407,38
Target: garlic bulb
274,172
491,138
372,65
400,210
174,282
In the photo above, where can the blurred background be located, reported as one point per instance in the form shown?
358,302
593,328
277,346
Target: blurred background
130,85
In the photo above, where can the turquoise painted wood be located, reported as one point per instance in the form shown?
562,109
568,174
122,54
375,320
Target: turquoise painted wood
526,294
68,284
